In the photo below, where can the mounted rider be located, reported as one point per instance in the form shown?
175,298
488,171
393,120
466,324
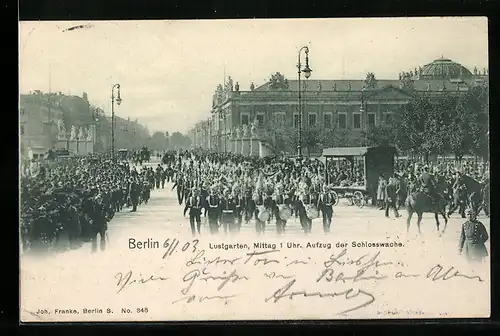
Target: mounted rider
428,183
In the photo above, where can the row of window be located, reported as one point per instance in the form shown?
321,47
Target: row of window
312,120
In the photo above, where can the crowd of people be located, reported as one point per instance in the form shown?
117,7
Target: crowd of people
440,178
76,198
81,195
254,184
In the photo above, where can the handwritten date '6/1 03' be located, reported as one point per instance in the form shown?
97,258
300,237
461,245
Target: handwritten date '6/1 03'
173,245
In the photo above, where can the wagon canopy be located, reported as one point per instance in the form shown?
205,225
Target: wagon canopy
374,161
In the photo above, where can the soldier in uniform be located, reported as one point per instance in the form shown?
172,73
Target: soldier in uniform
194,204
213,202
472,239
428,183
179,183
228,209
280,199
158,176
249,204
239,202
164,177
188,186
259,199
325,205
167,173
305,200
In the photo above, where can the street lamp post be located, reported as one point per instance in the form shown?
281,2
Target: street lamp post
118,101
225,134
362,111
95,120
93,126
307,73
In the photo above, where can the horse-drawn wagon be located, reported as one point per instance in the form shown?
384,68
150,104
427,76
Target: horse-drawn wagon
372,161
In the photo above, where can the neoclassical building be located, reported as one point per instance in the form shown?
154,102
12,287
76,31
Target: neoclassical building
348,106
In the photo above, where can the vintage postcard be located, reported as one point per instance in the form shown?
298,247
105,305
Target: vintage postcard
254,169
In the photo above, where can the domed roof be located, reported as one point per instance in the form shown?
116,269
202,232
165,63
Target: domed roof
445,68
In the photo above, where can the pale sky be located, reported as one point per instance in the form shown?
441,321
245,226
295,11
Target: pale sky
168,70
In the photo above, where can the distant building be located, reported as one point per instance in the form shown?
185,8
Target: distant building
349,106
38,115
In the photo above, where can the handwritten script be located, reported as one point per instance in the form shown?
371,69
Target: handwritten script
344,280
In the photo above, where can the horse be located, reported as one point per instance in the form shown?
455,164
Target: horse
472,193
419,202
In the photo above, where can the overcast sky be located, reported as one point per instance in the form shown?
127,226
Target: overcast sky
168,70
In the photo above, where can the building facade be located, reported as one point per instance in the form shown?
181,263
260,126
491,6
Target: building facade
348,107
38,116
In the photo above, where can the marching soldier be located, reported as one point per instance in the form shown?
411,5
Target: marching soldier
194,204
188,186
228,209
472,239
239,202
261,210
213,202
249,204
178,185
281,208
151,177
306,201
158,176
167,173
325,205
164,177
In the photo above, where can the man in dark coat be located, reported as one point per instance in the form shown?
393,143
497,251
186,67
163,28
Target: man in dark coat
228,212
326,200
472,239
391,193
194,204
213,205
134,193
179,184
428,182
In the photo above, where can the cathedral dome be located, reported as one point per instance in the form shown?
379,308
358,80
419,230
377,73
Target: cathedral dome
444,69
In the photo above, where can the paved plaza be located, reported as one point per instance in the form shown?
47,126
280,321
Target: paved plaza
164,214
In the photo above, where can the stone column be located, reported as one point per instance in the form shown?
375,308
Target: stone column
232,140
255,142
245,146
245,141
254,146
237,145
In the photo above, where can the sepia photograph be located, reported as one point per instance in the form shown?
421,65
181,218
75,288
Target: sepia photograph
254,169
